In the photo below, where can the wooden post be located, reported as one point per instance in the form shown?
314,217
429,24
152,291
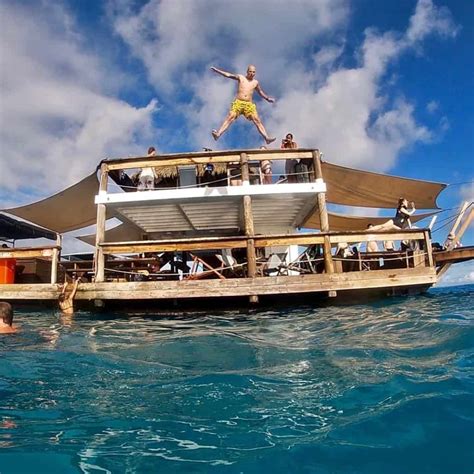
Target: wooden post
252,261
244,168
249,225
318,172
429,250
55,260
99,262
323,214
248,216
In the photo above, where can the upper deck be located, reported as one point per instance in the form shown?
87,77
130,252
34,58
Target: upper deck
197,193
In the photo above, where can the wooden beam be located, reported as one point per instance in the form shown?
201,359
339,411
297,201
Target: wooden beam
380,279
154,246
182,159
19,253
461,254
371,237
465,225
462,210
215,243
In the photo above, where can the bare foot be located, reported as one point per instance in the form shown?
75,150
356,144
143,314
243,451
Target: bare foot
270,140
216,135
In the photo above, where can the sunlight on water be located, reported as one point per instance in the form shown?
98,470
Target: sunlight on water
386,386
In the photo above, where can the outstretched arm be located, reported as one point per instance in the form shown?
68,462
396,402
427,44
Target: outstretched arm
265,96
74,289
229,75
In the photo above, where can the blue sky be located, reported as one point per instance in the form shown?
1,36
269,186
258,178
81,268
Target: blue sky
379,85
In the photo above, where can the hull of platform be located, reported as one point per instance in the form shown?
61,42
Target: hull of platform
383,281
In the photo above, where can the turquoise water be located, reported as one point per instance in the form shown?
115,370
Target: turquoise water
385,387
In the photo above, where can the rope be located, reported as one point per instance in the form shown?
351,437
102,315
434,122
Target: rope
462,182
451,218
140,272
378,258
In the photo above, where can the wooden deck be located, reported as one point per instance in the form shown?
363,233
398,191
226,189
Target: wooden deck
238,287
461,254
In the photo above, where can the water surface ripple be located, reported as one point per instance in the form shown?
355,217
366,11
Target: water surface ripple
382,387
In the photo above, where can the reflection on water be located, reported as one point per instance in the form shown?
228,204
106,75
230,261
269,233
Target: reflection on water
322,388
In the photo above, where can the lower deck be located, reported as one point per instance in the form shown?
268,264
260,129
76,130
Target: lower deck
358,281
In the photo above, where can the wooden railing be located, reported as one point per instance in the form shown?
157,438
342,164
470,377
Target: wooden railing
424,258
48,252
211,157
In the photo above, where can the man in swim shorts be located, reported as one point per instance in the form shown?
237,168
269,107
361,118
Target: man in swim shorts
243,104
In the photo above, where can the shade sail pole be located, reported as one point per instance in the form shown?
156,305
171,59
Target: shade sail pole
323,214
462,229
99,262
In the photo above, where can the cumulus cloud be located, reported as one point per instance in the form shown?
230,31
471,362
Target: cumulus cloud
345,111
58,115
466,192
459,274
432,106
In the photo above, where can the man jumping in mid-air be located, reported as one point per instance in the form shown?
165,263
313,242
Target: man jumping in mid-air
243,102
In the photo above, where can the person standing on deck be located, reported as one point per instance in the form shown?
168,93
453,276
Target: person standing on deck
242,103
6,319
66,302
290,165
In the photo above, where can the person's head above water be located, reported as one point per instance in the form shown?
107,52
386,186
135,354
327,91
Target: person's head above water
151,150
6,313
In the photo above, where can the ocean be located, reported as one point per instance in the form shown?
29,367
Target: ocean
385,387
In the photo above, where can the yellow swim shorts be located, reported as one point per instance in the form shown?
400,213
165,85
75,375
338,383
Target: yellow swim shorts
243,107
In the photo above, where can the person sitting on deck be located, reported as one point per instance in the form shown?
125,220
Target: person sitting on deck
401,219
6,319
147,175
242,104
66,302
290,165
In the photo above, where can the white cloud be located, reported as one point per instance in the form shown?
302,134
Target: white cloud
432,106
58,116
466,192
172,36
429,19
459,274
343,111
